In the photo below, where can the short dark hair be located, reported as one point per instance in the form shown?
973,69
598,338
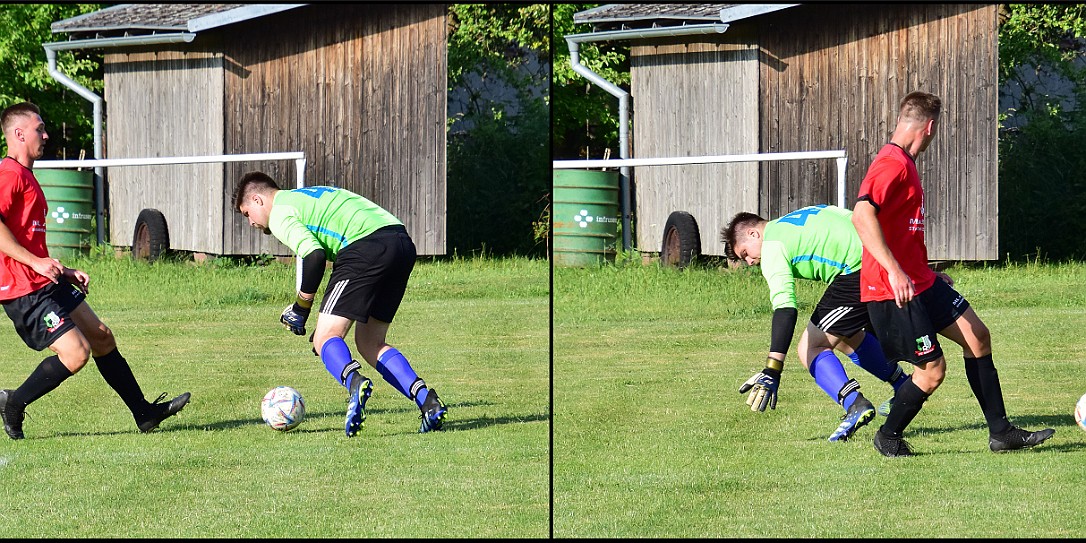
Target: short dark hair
250,183
22,109
741,220
920,106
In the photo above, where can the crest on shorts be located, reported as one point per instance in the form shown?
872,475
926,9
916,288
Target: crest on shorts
52,321
924,345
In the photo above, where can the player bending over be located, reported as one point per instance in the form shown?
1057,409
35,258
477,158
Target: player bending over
373,257
817,243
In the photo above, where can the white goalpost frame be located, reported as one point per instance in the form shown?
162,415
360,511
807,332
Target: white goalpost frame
839,156
297,156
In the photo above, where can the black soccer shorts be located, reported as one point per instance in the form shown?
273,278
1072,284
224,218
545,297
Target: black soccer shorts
840,311
370,275
44,315
910,333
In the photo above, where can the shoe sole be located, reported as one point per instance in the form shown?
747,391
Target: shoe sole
354,426
843,432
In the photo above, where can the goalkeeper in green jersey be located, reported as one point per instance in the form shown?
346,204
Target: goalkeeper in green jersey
372,257
817,243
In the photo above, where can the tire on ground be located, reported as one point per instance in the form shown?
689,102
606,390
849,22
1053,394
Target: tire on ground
151,239
682,241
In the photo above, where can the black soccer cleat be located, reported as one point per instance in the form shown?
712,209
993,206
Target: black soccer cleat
1017,438
13,417
158,412
891,446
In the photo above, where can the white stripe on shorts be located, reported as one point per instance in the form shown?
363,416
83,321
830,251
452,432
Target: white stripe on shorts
832,317
333,297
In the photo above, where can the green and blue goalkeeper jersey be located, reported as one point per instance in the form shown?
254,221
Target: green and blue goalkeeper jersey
327,218
815,242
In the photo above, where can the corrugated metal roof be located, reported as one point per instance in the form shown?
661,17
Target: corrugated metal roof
165,17
625,13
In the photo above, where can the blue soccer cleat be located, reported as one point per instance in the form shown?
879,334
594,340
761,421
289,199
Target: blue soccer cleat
856,417
433,413
357,394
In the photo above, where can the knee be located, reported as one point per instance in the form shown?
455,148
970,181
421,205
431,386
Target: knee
75,356
102,341
319,340
930,378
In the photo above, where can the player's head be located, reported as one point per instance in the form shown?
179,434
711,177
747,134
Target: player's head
742,238
920,111
24,130
253,198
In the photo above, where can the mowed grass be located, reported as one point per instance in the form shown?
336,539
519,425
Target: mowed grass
476,330
652,438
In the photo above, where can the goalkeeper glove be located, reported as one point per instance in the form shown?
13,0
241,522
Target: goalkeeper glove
763,387
294,318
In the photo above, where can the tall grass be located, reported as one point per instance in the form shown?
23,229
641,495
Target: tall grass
476,331
652,438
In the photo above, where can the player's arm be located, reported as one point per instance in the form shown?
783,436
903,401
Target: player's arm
50,268
782,293
865,219
294,234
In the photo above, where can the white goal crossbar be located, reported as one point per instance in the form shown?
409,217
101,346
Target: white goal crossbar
838,155
297,156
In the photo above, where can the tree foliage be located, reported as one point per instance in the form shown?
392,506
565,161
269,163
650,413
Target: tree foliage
498,151
24,74
585,117
1042,169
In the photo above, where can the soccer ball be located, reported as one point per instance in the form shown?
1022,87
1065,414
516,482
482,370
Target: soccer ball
1080,412
282,408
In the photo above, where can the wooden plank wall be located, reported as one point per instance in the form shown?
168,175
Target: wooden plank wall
832,78
361,89
692,99
160,104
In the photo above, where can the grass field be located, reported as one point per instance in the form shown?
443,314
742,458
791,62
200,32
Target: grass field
652,438
476,330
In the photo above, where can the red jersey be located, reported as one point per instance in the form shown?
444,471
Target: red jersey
892,185
22,209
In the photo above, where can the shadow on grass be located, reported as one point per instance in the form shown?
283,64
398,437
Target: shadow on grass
453,423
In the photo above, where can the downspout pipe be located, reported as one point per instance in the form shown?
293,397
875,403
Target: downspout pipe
574,41
51,58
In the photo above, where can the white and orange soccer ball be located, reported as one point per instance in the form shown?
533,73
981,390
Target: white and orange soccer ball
1080,412
283,408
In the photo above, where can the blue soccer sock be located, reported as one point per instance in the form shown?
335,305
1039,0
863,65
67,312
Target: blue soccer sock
394,368
830,376
337,360
869,356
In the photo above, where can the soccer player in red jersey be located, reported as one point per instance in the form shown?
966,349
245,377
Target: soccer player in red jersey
45,300
908,303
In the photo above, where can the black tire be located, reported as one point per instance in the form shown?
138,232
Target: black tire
682,241
151,239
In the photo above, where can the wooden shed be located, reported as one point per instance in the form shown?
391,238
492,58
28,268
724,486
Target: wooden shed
359,88
810,77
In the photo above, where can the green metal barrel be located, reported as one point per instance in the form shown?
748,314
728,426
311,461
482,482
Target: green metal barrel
585,217
68,222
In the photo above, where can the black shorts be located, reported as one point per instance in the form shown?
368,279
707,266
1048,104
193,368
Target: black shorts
44,315
910,333
840,311
370,275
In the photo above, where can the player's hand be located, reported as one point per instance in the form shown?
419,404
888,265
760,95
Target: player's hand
294,318
902,286
945,277
78,278
763,389
50,268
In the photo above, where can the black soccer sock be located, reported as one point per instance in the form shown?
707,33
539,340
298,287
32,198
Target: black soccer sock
117,373
984,380
49,374
907,403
